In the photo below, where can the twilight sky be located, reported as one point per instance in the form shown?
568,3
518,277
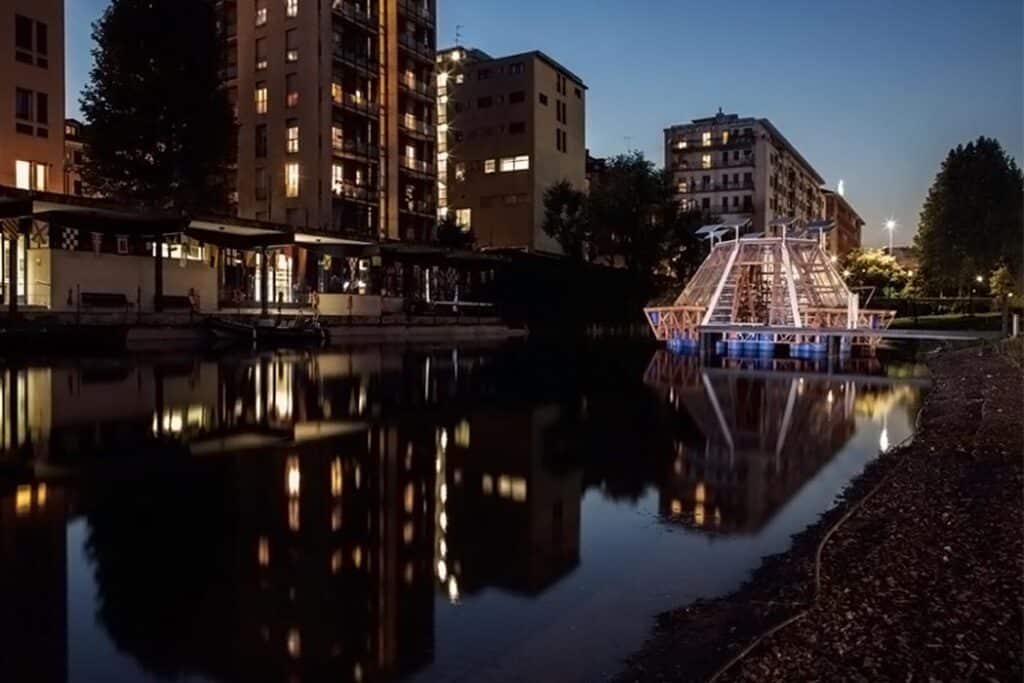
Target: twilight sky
874,92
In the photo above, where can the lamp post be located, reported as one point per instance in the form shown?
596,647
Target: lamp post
890,225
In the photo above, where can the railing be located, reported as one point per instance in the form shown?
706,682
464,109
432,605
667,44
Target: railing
420,206
411,123
716,187
357,148
418,9
422,49
357,58
415,86
347,190
357,102
354,13
683,165
418,165
697,144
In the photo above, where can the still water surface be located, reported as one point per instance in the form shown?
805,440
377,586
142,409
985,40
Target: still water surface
509,513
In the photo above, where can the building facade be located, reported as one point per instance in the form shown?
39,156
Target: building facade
335,106
741,169
845,236
32,94
74,156
509,128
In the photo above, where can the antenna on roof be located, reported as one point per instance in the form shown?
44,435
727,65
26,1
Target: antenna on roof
458,35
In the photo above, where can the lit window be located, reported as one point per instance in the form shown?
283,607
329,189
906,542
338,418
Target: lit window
263,551
336,92
408,533
261,98
261,54
23,499
521,163
292,137
460,171
294,643
705,161
409,498
291,180
291,8
261,12
293,477
293,514
725,137
291,86
29,175
291,48
681,144
490,166
336,477
706,139
337,137
41,171
487,484
463,218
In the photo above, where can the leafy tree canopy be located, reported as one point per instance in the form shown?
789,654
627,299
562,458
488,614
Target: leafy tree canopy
972,219
160,128
874,268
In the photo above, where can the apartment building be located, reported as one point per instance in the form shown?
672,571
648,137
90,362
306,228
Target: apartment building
508,129
32,94
741,169
335,106
845,237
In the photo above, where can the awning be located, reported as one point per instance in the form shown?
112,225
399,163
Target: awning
230,238
115,222
11,207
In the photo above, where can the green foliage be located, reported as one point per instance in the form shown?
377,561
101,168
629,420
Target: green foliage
160,128
451,234
875,268
566,219
630,218
1002,284
971,221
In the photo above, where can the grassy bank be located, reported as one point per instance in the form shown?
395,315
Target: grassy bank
921,582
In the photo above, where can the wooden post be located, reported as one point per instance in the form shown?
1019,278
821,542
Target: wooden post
158,280
264,276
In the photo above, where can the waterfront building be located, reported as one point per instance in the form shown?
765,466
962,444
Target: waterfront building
509,128
32,94
335,106
845,237
741,169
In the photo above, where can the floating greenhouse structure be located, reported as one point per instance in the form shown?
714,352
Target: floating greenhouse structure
758,291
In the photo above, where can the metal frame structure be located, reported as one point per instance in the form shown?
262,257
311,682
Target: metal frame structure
751,283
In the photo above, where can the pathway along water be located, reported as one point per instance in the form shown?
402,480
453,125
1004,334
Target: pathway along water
483,513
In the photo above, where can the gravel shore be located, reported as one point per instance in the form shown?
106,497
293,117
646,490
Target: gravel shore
922,582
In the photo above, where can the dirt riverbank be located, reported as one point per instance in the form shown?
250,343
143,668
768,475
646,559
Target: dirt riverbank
922,582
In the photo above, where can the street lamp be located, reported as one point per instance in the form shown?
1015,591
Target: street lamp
890,225
979,279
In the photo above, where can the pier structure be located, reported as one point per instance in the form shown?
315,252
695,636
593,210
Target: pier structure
755,292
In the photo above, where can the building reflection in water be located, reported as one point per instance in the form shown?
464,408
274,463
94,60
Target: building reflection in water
295,516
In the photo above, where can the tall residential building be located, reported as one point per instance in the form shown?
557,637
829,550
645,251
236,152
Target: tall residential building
509,128
845,237
32,94
741,169
335,105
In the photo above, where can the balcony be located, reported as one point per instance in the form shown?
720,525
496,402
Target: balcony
697,165
716,187
422,50
411,124
417,9
415,87
357,149
421,207
697,144
357,58
356,15
358,193
417,166
357,103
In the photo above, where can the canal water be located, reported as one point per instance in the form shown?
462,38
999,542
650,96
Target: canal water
491,513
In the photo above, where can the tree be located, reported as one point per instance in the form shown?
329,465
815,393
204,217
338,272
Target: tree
971,221
160,128
566,220
875,268
1004,288
451,234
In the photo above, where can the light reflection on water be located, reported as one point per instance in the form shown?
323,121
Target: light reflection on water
511,513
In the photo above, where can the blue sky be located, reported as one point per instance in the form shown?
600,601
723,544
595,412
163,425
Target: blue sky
872,92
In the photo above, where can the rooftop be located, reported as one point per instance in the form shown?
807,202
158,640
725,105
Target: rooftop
475,56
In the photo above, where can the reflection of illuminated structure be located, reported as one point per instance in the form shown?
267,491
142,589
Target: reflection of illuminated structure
33,590
764,435
512,521
775,280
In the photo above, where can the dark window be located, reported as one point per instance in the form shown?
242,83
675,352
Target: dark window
42,108
517,128
516,97
579,94
705,203
78,187
42,44
543,99
23,104
77,157
42,132
22,32
261,141
261,183
483,74
23,128
747,202
484,102
748,178
725,203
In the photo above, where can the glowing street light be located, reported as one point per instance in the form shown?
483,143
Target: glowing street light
890,225
979,279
